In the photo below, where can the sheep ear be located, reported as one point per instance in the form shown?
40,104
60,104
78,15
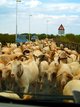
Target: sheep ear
20,71
70,76
59,60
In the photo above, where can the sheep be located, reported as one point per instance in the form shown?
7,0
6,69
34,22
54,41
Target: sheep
70,87
24,74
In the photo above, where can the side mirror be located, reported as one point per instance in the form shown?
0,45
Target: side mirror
76,96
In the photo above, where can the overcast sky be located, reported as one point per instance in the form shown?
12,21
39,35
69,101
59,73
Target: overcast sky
45,13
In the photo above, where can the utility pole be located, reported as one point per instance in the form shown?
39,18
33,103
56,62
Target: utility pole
29,26
47,29
16,17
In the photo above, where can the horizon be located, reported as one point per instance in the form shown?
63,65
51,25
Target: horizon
36,33
47,16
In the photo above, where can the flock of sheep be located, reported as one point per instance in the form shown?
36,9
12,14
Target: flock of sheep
28,63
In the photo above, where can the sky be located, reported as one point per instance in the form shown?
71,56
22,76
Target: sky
39,16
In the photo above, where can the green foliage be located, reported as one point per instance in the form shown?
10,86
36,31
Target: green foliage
6,38
77,38
68,38
64,39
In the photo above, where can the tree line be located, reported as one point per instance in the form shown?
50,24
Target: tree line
10,38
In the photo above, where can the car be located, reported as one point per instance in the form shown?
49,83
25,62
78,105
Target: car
21,38
34,38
